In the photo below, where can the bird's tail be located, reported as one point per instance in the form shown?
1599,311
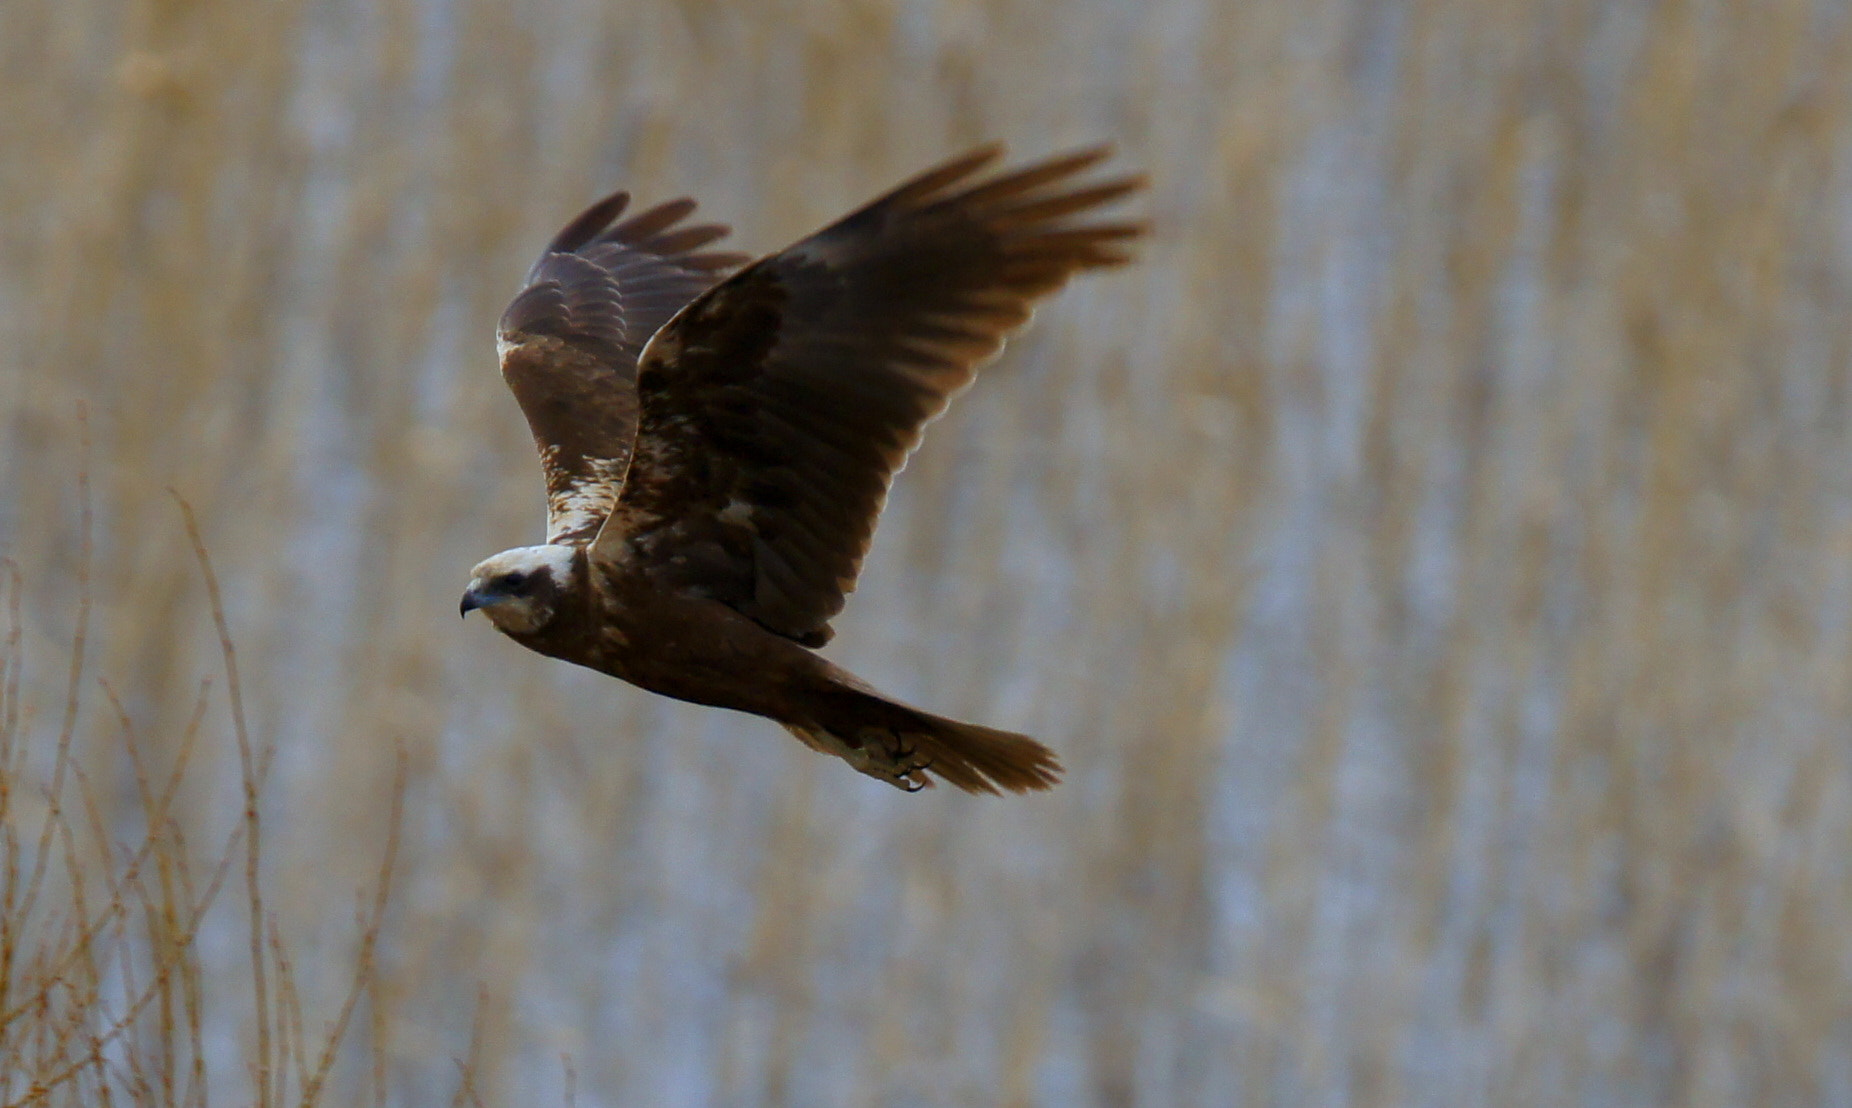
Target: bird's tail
907,748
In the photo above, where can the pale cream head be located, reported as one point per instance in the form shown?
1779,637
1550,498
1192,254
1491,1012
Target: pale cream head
520,590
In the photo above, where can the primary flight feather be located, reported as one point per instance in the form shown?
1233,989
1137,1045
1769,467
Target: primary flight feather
717,448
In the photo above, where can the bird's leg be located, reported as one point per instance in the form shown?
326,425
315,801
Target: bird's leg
887,754
884,754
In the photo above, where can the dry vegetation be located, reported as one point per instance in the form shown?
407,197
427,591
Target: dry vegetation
1434,562
103,982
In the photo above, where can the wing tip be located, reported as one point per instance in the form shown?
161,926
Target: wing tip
1077,160
928,184
652,222
654,230
588,224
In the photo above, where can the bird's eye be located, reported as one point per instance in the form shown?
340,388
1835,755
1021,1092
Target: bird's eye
512,582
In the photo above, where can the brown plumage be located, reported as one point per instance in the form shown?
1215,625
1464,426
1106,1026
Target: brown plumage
717,451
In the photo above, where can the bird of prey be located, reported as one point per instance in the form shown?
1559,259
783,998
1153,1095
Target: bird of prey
717,448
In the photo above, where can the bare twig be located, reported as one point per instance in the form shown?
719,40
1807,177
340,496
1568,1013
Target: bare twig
263,1063
369,937
79,638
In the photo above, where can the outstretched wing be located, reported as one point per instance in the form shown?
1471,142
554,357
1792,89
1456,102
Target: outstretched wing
778,406
570,341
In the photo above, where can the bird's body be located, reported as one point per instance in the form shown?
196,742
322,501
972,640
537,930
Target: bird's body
691,649
716,452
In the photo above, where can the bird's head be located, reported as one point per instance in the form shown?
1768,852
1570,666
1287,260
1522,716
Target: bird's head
519,590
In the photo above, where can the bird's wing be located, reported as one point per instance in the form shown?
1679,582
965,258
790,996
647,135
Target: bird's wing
569,344
776,408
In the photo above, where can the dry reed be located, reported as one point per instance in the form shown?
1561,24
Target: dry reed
102,984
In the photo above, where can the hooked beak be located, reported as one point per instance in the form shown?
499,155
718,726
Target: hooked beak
470,602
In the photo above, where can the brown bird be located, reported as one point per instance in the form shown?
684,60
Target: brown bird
717,451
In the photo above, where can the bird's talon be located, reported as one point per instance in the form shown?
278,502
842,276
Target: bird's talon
908,766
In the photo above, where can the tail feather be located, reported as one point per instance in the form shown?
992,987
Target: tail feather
908,748
982,759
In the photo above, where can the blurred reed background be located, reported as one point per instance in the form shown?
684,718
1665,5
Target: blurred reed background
1433,561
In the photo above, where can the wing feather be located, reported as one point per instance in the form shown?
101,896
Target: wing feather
776,408
570,340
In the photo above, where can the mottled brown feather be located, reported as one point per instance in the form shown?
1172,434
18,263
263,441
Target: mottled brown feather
570,341
777,407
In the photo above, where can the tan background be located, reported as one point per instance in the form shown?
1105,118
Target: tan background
1434,561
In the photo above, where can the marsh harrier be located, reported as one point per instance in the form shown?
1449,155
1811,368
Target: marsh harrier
717,447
